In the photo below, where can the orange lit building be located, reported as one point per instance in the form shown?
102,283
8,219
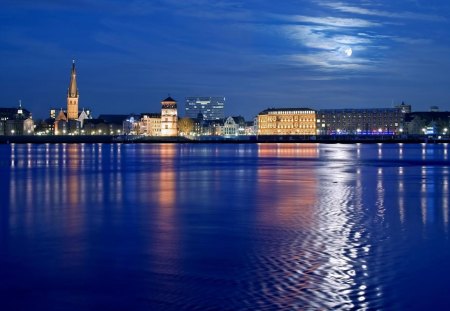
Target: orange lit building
169,118
287,121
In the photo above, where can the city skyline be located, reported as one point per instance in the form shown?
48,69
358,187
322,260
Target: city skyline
321,54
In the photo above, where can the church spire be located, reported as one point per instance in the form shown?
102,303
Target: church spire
73,90
72,96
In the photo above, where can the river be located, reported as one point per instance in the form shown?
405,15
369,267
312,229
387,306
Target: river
224,226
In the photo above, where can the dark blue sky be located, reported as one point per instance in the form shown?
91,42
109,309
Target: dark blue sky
257,53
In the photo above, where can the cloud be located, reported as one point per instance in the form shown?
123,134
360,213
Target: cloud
412,41
343,7
329,21
332,61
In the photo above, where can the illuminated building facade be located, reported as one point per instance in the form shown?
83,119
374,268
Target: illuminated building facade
287,121
72,120
150,124
61,123
16,121
169,117
375,121
212,108
234,126
72,96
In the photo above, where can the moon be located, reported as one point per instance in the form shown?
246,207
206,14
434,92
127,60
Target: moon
348,52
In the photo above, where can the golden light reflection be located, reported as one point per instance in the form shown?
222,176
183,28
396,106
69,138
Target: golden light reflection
61,183
164,243
295,183
288,150
167,189
72,190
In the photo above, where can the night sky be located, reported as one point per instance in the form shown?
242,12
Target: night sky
258,54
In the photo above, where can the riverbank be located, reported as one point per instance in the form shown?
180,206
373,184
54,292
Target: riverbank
216,140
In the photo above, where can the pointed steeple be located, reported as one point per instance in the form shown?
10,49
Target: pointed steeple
73,90
72,96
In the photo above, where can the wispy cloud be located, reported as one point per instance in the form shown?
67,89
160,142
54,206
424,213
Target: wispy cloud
328,21
370,11
331,61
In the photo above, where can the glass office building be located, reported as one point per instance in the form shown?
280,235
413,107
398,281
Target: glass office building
212,108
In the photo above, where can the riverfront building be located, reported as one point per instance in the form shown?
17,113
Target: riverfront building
287,121
169,117
212,108
16,121
234,126
374,121
150,124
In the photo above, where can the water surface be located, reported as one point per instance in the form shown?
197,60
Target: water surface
224,227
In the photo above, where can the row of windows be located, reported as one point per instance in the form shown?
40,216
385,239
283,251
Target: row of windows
360,126
289,119
291,112
284,126
295,119
361,115
288,132
360,119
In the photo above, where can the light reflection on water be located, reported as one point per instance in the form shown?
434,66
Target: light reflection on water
266,226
